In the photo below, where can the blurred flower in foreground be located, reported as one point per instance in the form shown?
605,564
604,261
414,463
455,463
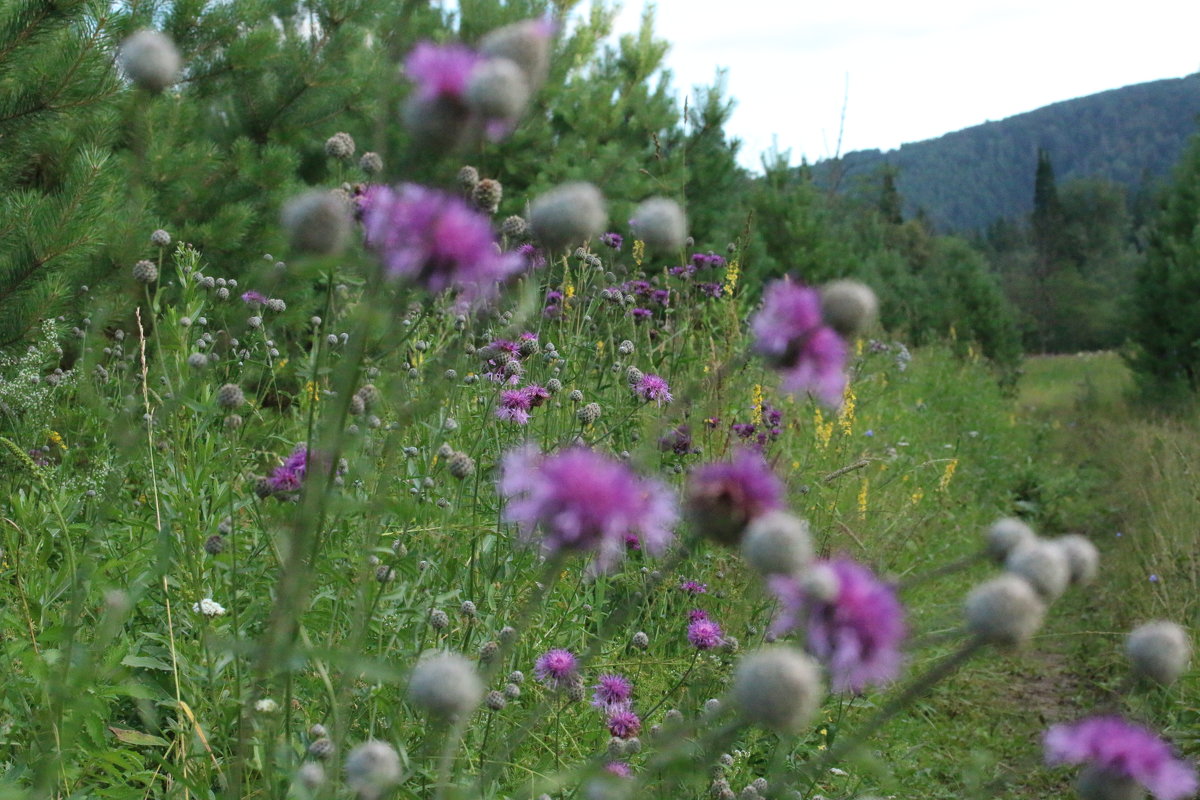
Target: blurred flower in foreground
791,334
1117,755
583,501
436,241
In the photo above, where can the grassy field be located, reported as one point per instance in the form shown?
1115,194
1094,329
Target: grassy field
174,626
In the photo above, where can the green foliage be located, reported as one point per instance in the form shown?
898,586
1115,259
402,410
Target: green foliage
58,180
1166,328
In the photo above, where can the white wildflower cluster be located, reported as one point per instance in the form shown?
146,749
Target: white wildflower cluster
29,383
208,607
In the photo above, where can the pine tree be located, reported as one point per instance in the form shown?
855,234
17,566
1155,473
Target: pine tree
717,187
1166,327
58,178
890,204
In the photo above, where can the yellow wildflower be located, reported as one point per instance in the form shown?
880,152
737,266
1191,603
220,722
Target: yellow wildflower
57,440
947,474
732,270
917,495
756,405
569,290
312,392
821,429
846,414
862,498
639,250
858,346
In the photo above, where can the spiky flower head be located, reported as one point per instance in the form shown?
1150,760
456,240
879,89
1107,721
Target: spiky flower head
340,145
791,334
856,633
724,497
652,387
436,111
661,224
778,688
1004,611
556,668
436,241
582,501
372,768
848,306
705,634
446,685
568,214
145,272
317,222
1159,651
611,690
150,59
623,723
160,238
1114,749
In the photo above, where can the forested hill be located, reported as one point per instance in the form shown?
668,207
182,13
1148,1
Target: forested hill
967,179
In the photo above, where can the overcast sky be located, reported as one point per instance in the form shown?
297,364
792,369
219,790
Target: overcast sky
911,70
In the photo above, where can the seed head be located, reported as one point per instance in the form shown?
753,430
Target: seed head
848,306
160,238
640,640
145,272
1004,611
460,465
513,227
1159,651
438,619
150,60
495,701
468,177
446,685
1083,558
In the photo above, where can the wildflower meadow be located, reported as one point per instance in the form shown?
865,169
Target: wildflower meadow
438,502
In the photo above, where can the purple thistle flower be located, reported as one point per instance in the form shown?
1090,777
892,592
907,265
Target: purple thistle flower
623,723
583,501
289,476
253,298
619,769
613,240
684,271
514,406
744,430
653,387
639,286
790,333
677,440
440,70
536,395
437,241
714,290
611,690
632,542
693,587
857,634
556,668
725,497
532,255
641,314
697,614
704,634
554,296
661,296
1122,750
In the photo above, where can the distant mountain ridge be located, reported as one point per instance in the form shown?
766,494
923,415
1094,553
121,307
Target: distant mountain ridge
967,179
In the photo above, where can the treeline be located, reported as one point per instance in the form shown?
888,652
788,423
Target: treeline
969,179
92,164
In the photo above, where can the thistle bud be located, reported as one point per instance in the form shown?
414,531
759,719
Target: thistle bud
372,768
1004,611
570,213
339,146
1005,535
145,272
1083,559
526,44
778,543
317,222
446,685
1159,651
1044,565
150,60
778,688
848,306
661,224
